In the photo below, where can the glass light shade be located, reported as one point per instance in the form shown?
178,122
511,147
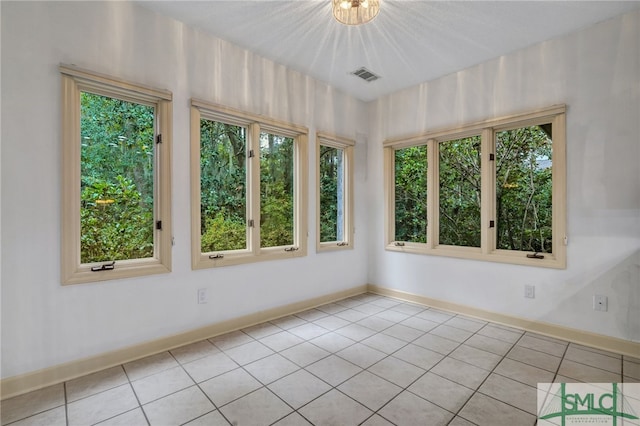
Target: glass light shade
355,12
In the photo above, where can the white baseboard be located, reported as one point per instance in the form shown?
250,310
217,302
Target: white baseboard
17,385
599,341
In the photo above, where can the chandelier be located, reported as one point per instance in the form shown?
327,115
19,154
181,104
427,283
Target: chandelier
355,12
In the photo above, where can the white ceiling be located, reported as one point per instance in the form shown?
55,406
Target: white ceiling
408,43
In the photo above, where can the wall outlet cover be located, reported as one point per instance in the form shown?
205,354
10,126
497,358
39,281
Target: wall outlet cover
529,291
203,295
600,303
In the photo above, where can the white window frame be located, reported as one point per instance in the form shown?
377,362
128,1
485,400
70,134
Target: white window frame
74,81
255,124
347,147
487,250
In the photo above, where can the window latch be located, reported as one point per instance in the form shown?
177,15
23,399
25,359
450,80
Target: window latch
398,244
104,267
291,249
216,256
535,255
342,244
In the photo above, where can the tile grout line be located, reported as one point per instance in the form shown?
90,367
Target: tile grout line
66,404
554,378
239,366
376,412
332,387
405,345
215,407
380,333
131,385
492,371
373,412
144,413
406,388
377,332
265,386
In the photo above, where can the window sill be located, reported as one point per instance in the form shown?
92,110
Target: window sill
123,269
244,257
473,253
333,246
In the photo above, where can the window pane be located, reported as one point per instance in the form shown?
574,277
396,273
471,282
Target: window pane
223,177
331,194
117,162
411,194
276,190
460,192
524,189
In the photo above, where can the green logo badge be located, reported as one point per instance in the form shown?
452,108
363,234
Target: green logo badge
588,404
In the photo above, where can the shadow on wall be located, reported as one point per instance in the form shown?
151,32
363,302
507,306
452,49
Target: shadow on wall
619,281
624,279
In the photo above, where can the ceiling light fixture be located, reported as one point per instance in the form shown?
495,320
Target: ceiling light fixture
355,12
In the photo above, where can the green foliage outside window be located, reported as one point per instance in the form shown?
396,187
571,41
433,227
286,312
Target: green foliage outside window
523,162
331,194
524,189
411,194
222,186
460,192
276,190
117,147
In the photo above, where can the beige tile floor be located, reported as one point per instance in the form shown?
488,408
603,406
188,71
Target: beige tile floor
365,360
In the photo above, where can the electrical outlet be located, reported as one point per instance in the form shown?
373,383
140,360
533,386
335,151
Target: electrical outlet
529,291
203,296
600,303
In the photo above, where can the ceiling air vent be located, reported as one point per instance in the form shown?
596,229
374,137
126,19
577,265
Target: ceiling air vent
365,74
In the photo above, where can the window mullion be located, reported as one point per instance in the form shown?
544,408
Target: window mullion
389,194
487,195
157,176
433,193
559,189
164,110
300,186
196,199
71,178
253,193
348,195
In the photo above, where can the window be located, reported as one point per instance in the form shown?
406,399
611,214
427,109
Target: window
223,186
116,219
494,190
459,192
524,187
410,187
248,187
276,190
335,192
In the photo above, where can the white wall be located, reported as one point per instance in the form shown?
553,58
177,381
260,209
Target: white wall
45,324
596,72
